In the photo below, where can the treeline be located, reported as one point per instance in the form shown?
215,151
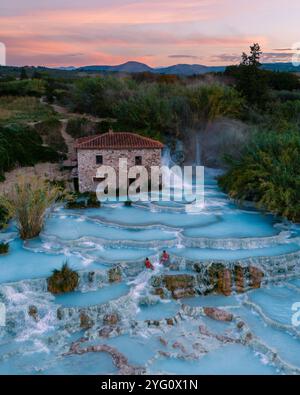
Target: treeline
26,87
153,108
268,170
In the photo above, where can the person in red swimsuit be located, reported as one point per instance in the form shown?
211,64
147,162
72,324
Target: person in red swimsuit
165,257
148,264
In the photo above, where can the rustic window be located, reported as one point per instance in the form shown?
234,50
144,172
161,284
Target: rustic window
99,159
138,160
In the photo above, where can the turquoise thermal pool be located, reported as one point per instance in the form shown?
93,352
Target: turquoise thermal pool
120,308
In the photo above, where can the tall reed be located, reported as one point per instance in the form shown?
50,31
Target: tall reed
28,202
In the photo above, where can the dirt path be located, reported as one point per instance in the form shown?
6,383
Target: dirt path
68,140
64,111
51,171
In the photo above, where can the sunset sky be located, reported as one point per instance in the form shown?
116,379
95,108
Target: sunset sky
157,32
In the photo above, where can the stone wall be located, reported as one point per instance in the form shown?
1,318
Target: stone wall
87,166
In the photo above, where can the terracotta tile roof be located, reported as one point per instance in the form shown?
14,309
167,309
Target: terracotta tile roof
117,140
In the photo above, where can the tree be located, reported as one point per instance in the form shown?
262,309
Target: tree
250,80
36,75
50,90
23,74
209,102
254,58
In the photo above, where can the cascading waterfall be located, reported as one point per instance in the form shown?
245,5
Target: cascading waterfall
140,285
171,178
19,298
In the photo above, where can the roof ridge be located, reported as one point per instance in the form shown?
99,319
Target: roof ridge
118,140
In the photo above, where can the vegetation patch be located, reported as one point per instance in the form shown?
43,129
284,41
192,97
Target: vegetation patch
22,146
4,217
28,202
23,87
4,248
82,201
50,130
22,109
63,280
268,174
82,126
155,109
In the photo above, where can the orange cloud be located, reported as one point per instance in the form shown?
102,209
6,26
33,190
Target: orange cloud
114,33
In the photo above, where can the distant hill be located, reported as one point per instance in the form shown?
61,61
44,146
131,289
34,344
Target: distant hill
180,69
67,68
128,67
288,67
137,67
188,69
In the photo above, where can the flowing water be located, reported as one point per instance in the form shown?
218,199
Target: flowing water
155,335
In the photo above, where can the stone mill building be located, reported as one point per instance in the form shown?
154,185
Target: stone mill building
107,149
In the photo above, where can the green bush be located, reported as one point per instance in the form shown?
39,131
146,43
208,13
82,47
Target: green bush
92,201
74,204
81,127
154,109
24,87
268,174
23,109
22,146
4,217
83,200
282,80
4,247
284,95
64,280
50,130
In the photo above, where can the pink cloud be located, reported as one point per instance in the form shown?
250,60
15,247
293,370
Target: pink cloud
120,30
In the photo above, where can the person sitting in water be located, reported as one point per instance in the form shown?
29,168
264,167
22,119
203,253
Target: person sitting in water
165,257
148,264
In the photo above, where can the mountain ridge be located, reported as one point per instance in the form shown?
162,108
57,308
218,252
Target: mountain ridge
178,69
138,67
182,69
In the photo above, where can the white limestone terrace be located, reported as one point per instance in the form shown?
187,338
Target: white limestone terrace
168,336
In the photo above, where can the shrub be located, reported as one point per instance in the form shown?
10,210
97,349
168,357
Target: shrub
4,247
268,174
50,130
23,87
74,204
27,202
92,201
22,146
63,280
79,127
23,109
83,200
4,217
